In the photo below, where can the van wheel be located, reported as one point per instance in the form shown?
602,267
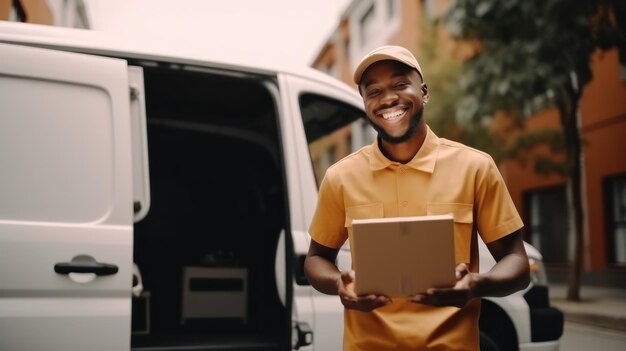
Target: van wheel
487,343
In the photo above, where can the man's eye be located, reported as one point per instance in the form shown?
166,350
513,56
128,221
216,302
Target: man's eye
400,85
372,92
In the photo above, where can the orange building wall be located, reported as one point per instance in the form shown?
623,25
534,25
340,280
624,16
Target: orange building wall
408,35
327,57
520,176
5,9
603,128
345,71
603,109
604,98
604,156
35,11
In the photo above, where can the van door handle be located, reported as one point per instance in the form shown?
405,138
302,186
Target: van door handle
82,266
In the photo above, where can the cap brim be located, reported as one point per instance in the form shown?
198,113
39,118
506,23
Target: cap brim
368,61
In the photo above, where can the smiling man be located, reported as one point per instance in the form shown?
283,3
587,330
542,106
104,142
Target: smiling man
409,171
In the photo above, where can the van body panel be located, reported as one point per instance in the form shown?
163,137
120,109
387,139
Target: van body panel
66,203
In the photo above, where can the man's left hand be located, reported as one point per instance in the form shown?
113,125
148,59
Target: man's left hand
458,295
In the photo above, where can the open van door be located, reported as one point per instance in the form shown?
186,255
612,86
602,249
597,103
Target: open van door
66,201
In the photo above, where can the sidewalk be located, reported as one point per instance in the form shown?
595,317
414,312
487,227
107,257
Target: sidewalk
599,306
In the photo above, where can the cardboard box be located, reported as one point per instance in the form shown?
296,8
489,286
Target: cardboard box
402,256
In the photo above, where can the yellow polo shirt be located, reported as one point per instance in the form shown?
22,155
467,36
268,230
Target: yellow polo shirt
444,177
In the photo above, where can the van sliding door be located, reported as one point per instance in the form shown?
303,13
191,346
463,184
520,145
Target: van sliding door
66,201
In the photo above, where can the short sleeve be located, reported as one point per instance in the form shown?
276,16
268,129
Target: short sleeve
328,224
495,211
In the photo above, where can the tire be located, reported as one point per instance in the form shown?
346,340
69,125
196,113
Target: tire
487,344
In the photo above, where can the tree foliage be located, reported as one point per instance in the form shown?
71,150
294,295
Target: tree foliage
443,69
534,54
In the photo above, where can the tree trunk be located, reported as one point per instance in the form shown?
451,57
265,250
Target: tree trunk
570,124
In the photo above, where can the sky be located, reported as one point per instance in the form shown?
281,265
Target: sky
276,31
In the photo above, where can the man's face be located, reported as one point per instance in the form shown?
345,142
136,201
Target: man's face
394,97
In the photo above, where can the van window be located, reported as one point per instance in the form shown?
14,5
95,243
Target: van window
333,130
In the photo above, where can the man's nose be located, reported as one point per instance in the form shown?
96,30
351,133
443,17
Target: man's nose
389,97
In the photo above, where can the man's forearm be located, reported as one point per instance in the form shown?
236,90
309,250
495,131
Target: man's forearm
511,271
509,275
322,274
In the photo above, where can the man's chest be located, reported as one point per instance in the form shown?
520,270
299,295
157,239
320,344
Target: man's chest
404,191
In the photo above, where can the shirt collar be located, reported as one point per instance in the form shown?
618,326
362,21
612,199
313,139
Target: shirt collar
424,160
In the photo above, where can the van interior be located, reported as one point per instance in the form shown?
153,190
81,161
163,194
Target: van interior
206,249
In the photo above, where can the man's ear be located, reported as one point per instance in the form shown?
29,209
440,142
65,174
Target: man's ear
425,94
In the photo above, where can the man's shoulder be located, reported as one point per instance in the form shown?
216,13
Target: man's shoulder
466,152
353,162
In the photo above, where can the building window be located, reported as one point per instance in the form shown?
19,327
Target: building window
429,7
17,13
391,7
547,223
327,160
332,70
367,24
615,197
362,134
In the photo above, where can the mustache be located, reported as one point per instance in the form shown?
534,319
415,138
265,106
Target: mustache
411,131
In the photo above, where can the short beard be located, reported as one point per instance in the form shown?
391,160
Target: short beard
413,128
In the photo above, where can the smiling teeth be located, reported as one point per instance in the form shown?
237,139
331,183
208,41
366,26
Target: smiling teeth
393,115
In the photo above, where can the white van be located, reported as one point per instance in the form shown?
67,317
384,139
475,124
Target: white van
155,202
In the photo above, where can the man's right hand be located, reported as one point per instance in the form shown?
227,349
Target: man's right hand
323,274
364,303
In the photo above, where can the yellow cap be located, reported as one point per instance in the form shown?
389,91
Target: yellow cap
388,52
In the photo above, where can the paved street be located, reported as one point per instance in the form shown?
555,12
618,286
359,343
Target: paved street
579,337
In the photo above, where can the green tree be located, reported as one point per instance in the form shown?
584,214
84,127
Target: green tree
442,70
535,54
